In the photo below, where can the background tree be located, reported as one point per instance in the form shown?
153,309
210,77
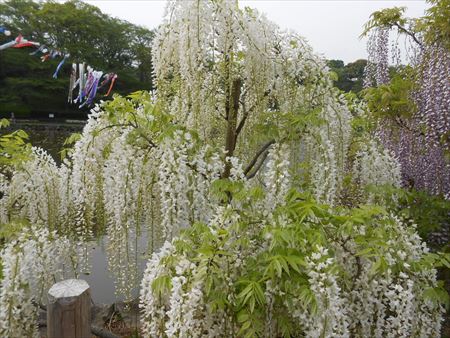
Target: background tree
350,76
74,27
141,48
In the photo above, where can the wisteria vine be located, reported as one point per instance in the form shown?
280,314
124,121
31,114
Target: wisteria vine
420,142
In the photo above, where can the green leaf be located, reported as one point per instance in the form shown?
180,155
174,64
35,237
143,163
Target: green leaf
295,262
437,295
251,295
161,285
334,76
4,123
22,134
365,252
72,139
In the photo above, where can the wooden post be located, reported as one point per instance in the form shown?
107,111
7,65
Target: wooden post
69,310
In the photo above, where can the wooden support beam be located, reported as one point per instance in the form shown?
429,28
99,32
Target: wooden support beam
69,310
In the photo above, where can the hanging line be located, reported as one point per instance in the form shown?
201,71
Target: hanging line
111,85
87,80
72,82
8,45
96,75
93,92
3,30
45,57
80,82
88,84
18,43
76,83
43,49
21,42
26,44
52,53
55,74
55,53
108,77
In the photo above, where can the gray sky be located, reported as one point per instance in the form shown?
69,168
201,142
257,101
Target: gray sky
332,27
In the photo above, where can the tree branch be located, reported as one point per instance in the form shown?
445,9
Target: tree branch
246,113
194,168
255,159
411,34
129,124
241,124
258,166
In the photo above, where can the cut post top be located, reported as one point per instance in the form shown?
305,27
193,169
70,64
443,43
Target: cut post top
68,288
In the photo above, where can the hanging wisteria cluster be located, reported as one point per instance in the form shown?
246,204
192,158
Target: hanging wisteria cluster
38,188
391,303
377,68
420,142
375,167
4,190
235,68
31,263
277,179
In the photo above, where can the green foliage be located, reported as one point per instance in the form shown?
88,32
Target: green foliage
149,128
10,230
429,212
438,294
350,76
335,64
392,100
433,26
68,143
435,23
4,123
385,18
162,285
13,148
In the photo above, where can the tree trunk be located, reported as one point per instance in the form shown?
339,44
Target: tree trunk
232,118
